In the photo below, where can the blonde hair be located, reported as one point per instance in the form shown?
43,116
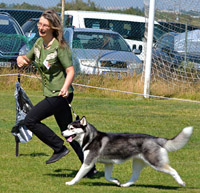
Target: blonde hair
56,25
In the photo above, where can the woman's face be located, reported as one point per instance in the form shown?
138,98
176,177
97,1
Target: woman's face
44,28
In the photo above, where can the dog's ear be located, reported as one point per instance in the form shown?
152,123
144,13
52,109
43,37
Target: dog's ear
77,118
83,121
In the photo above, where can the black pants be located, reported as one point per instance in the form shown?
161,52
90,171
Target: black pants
57,106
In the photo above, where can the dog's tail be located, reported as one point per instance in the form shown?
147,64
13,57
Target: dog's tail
180,140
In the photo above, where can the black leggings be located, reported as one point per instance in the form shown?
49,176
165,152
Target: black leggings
59,107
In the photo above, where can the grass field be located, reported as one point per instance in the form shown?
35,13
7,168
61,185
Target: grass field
28,173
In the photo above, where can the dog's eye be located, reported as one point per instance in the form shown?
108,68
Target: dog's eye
70,127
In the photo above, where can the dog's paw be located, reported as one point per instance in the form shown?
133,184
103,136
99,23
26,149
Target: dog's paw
70,183
126,184
182,184
116,181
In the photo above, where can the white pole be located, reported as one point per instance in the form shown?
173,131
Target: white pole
147,80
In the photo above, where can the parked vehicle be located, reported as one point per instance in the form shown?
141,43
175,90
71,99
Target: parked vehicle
130,27
177,27
166,27
12,40
97,51
22,15
31,30
177,51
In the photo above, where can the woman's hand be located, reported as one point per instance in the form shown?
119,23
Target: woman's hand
68,81
22,60
63,92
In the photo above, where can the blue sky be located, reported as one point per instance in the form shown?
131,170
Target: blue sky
163,4
101,3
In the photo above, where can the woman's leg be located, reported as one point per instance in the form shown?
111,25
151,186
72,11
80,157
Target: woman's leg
42,110
63,118
33,120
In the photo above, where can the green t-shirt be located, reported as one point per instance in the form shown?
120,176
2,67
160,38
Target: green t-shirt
52,64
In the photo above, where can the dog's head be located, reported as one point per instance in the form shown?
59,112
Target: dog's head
76,130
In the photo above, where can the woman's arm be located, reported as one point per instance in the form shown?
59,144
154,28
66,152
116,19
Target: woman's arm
68,81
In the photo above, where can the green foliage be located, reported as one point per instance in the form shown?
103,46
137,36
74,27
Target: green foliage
133,11
27,6
80,5
172,17
2,5
74,5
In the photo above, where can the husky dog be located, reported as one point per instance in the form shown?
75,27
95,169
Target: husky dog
115,148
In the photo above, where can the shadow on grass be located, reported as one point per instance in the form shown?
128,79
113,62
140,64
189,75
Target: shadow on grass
158,187
72,174
34,154
187,188
161,187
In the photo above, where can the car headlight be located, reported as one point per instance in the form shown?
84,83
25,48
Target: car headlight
88,62
133,65
24,50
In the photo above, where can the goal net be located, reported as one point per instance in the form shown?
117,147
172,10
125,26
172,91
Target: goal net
176,43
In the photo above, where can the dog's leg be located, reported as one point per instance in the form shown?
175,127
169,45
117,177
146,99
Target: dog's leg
138,165
169,170
108,174
163,166
81,173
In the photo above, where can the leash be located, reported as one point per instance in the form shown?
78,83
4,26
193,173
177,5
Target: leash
75,115
19,77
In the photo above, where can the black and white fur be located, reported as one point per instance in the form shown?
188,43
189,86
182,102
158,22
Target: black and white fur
115,148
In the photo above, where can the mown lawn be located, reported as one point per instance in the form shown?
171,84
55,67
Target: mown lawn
28,173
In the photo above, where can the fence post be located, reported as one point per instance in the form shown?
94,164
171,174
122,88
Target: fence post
147,80
63,12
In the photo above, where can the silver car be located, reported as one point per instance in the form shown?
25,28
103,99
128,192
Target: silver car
97,51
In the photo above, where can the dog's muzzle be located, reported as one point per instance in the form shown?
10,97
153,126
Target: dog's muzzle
69,138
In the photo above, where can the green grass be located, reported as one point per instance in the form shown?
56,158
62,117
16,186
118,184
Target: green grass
28,173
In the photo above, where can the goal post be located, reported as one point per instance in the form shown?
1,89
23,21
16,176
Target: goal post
147,80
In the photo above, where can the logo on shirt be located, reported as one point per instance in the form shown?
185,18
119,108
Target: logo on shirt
51,56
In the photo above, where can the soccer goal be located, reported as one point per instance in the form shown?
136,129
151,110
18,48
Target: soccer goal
173,45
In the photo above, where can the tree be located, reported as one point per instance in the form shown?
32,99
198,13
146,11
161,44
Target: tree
2,5
27,6
73,5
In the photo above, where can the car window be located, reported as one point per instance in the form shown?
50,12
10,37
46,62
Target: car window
68,20
128,29
31,27
98,40
167,41
67,36
8,27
